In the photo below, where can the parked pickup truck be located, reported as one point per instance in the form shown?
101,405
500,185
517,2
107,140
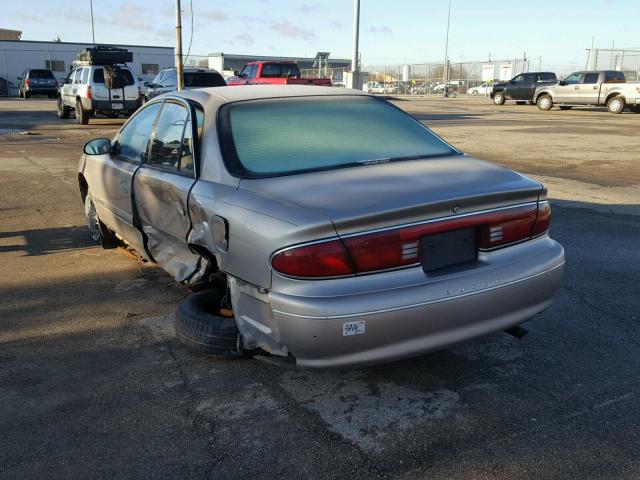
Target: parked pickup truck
597,88
274,73
521,87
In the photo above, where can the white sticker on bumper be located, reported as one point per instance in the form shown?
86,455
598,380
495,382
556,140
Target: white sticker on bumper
353,328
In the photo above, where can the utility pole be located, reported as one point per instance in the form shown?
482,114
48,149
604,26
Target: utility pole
178,46
355,70
93,33
446,55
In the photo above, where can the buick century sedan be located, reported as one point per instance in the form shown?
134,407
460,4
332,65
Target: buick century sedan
344,231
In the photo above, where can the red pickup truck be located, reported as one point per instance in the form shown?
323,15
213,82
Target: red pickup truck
274,73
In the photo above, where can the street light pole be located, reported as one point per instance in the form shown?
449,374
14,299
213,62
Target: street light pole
178,46
93,33
356,37
446,54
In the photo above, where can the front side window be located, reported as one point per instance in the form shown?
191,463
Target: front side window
203,79
293,135
518,79
530,78
133,139
590,78
573,79
170,79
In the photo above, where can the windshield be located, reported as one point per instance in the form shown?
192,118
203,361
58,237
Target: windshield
292,135
203,79
40,74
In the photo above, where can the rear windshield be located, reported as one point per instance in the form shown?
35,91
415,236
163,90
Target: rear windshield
203,79
280,70
294,135
98,76
40,74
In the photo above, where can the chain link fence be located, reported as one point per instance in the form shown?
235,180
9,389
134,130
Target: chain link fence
625,60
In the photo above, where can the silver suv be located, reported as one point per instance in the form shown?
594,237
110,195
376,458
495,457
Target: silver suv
166,81
111,90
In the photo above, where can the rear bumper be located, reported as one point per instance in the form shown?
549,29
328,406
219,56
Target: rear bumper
403,321
42,90
107,105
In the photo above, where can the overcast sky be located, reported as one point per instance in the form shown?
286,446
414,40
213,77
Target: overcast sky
391,32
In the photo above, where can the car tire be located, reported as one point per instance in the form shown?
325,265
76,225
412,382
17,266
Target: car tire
20,94
200,327
565,107
25,94
545,102
98,231
63,110
499,98
521,102
616,104
82,116
635,108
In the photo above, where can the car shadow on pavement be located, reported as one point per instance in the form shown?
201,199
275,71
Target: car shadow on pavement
45,241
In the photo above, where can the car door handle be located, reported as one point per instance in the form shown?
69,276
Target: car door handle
576,88
595,87
124,187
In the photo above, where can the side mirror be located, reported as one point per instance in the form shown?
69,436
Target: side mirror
236,73
147,84
99,146
562,83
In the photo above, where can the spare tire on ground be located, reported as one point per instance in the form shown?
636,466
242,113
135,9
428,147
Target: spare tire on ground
200,326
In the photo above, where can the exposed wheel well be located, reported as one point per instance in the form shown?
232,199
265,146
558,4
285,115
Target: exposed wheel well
84,186
541,94
205,253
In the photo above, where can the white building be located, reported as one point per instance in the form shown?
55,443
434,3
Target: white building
18,55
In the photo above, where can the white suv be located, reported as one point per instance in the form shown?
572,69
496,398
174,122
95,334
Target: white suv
85,91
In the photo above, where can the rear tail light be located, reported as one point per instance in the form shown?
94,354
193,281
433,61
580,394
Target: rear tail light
27,82
326,259
400,247
89,94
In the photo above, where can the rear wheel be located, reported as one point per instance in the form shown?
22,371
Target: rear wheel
616,104
545,102
63,110
99,232
499,98
82,116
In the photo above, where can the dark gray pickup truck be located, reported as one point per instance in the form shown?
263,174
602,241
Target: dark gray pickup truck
521,87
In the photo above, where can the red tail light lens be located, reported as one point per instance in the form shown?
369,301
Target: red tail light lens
89,94
400,247
26,82
327,259
543,221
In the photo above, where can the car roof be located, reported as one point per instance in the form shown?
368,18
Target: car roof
213,97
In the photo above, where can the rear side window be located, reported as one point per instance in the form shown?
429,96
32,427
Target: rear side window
203,79
548,76
85,75
293,135
167,143
40,74
590,78
529,77
614,77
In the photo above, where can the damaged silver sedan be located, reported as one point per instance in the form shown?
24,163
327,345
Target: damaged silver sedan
347,233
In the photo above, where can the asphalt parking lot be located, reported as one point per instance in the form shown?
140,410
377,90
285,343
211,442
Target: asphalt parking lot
93,383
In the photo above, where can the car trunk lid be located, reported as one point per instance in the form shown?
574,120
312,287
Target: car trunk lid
370,197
